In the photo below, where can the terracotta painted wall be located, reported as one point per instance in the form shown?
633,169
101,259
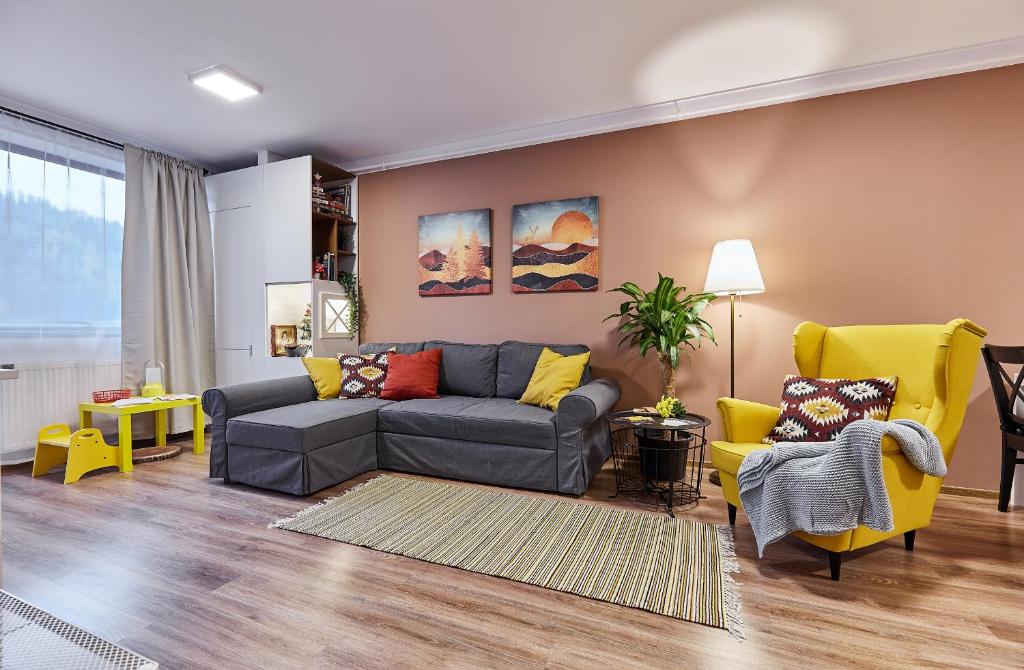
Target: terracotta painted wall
895,205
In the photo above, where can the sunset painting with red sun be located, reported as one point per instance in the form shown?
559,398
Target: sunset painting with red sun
554,246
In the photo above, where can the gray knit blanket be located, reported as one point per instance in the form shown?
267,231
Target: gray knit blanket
828,488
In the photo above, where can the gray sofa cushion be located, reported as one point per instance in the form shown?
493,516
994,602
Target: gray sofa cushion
400,347
516,361
490,420
466,369
306,426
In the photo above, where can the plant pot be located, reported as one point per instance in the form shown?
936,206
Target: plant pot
664,459
296,351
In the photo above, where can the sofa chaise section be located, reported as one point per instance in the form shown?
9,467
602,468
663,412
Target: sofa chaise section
224,403
305,447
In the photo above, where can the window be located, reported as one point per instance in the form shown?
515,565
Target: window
61,229
334,312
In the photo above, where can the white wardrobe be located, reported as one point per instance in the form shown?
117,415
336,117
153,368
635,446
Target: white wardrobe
264,226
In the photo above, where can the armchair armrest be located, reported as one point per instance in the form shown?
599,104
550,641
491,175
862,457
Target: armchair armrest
226,402
584,442
746,421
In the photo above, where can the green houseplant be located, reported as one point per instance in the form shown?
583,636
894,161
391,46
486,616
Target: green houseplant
665,319
353,291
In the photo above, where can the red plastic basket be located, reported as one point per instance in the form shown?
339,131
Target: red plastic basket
111,396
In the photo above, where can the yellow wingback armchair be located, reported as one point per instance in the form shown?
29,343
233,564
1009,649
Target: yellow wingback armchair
934,366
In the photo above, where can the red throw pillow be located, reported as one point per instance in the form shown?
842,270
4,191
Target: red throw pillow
817,410
412,375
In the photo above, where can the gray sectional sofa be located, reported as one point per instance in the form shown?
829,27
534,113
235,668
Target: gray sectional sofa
276,435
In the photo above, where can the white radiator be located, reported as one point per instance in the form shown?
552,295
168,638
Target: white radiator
46,393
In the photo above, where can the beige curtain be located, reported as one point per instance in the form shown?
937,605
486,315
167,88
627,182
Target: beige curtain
167,276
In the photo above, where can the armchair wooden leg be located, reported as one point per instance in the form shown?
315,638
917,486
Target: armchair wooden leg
908,539
732,514
835,561
1006,476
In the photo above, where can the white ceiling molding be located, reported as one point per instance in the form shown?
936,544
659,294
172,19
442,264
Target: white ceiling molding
885,73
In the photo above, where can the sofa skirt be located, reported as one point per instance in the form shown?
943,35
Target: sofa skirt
302,473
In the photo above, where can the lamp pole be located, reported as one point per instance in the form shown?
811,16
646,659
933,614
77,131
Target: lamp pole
732,345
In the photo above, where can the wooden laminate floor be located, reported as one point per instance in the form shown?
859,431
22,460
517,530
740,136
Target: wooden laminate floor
182,568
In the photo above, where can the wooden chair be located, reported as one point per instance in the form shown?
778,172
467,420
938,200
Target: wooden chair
1009,395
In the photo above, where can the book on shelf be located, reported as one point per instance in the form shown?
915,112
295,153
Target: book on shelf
341,194
330,204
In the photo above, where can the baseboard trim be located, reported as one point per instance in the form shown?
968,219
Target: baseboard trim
970,493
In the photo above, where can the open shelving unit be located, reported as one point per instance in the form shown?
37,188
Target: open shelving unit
333,233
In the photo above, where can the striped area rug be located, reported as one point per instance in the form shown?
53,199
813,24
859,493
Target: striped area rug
675,567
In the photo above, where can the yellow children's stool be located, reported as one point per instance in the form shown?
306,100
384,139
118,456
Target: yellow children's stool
83,451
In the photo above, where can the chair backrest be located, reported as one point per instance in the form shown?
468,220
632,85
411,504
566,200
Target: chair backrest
934,365
1006,371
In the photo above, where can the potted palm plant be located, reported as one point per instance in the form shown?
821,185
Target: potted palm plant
665,320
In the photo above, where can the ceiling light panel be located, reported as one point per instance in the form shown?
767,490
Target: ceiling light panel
225,82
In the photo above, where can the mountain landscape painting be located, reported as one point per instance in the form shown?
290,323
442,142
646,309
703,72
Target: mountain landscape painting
555,246
455,253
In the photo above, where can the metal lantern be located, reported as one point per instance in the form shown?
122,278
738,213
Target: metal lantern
153,379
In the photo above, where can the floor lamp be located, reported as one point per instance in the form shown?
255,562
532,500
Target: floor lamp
733,271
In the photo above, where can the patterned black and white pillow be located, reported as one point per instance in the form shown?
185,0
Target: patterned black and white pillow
362,376
817,410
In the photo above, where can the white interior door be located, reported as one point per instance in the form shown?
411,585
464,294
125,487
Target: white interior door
238,289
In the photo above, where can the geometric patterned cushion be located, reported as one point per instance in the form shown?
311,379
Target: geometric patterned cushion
362,376
816,410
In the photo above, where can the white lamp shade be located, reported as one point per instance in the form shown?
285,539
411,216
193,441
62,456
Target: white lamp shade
733,269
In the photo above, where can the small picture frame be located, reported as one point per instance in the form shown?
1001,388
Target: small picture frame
282,337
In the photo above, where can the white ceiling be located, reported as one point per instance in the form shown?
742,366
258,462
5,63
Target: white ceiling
353,79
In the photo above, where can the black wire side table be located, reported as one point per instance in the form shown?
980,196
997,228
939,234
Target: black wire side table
656,463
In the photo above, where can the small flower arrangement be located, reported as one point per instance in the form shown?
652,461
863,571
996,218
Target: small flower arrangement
318,268
669,407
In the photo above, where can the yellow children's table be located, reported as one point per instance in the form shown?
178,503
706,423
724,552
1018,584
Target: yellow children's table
124,424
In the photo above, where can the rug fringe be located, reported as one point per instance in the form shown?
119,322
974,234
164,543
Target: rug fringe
731,566
326,501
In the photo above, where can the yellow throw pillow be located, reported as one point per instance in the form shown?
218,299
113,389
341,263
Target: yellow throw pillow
553,377
326,376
